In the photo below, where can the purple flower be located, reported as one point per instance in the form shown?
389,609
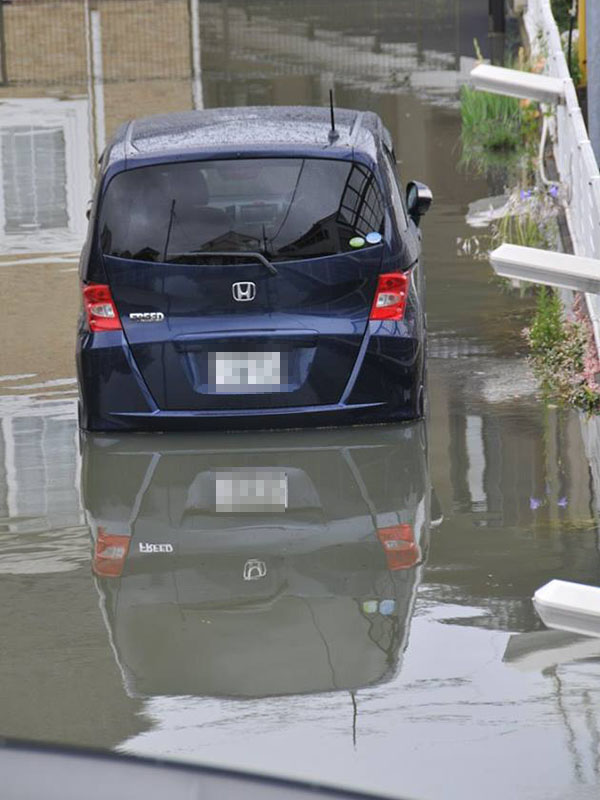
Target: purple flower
563,502
554,191
534,503
525,193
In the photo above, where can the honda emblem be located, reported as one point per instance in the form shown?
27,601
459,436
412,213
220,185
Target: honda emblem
243,291
254,569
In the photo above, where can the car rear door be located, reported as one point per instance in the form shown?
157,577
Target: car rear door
244,297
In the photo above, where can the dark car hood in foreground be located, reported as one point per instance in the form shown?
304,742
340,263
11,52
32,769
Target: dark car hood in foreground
33,771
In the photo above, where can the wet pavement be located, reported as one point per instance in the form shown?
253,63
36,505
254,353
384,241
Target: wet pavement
367,620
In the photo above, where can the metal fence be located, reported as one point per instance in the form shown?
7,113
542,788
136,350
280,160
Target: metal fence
575,160
46,42
43,42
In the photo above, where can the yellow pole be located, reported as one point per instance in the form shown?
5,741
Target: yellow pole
582,45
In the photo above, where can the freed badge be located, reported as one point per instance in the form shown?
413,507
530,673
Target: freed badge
147,316
146,547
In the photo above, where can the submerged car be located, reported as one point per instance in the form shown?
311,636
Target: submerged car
251,268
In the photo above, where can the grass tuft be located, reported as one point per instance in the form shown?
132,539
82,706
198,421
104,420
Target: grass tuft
490,121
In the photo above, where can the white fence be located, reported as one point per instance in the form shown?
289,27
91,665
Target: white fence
580,179
575,160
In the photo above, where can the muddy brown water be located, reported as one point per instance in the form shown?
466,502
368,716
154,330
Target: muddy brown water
279,634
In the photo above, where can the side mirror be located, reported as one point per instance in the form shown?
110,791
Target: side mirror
418,200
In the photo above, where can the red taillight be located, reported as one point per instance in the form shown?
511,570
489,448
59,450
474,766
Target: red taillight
401,550
390,296
100,308
110,553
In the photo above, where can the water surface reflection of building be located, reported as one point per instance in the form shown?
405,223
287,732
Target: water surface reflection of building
137,57
515,486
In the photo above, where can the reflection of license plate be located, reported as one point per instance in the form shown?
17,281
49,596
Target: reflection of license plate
251,490
246,370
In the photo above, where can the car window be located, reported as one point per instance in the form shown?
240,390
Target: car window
284,208
396,190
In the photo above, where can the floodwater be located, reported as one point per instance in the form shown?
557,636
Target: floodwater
284,635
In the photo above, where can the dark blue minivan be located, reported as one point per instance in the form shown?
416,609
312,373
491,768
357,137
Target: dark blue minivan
251,268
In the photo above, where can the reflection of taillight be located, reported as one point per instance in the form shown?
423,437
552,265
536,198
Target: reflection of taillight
390,296
110,553
100,308
401,550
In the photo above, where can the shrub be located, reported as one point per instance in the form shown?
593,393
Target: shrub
490,121
547,330
530,219
563,353
560,11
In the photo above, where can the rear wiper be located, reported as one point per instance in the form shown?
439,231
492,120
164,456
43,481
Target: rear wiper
232,254
171,218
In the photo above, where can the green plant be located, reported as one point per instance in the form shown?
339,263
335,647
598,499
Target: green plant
563,353
499,133
530,220
490,121
560,11
547,330
501,167
573,62
522,229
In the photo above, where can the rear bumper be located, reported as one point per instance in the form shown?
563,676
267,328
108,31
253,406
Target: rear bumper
289,418
384,387
307,416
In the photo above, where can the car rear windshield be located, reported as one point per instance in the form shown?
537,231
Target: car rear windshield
282,208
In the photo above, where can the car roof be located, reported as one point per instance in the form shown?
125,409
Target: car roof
272,129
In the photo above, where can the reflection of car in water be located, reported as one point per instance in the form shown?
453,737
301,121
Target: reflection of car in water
244,566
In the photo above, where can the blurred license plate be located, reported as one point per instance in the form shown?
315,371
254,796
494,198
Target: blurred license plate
251,491
246,370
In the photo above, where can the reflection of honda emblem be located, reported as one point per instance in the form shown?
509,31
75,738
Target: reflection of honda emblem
243,291
254,569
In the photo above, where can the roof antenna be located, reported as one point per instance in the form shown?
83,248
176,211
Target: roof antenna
333,134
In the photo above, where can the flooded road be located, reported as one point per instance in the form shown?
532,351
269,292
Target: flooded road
352,605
